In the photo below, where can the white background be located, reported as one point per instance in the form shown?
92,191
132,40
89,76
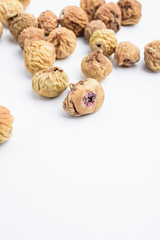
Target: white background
91,178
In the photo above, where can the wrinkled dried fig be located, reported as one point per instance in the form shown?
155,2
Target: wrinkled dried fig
152,55
48,21
1,29
25,2
93,26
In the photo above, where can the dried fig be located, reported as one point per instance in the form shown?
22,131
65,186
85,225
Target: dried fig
48,21
93,26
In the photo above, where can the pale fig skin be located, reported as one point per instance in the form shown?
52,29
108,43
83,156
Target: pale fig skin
6,121
25,2
48,21
152,56
76,102
92,27
96,65
1,29
126,54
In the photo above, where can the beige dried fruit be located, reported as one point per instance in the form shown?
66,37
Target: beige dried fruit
96,65
18,21
50,82
38,55
110,14
93,26
86,97
9,6
74,18
6,121
104,40
1,29
25,2
131,11
31,33
64,41
152,55
48,21
91,6
126,54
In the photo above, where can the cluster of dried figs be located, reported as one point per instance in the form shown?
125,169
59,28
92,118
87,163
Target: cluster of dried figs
48,38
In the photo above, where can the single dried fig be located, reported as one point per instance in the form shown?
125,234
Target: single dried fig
91,6
50,82
152,55
25,2
93,26
86,97
48,21
126,54
9,6
74,18
131,11
1,29
96,65
64,41
104,40
110,14
30,33
18,21
38,55
6,121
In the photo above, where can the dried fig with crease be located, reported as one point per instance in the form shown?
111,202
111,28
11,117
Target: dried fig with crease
152,55
93,26
48,21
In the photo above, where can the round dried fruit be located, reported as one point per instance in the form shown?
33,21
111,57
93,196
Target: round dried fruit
50,82
110,14
74,18
1,29
31,33
64,41
104,40
152,55
48,21
9,6
93,26
131,11
96,65
126,54
25,2
6,121
38,55
91,6
86,97
18,21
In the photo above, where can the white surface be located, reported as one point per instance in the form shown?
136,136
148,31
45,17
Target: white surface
89,178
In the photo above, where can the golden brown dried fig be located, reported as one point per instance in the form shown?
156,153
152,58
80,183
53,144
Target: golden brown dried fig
1,29
93,26
152,55
48,21
25,2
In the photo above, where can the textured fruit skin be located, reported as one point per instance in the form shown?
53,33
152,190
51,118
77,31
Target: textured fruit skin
110,14
6,121
48,21
104,40
90,7
1,29
152,56
9,6
38,55
74,18
25,2
126,54
96,66
74,104
93,26
131,11
64,41
18,21
31,33
51,82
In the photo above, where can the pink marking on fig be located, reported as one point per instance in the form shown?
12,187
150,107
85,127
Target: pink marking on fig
89,99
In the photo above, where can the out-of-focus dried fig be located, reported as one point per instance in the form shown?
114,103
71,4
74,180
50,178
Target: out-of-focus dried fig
86,97
1,29
25,2
110,14
64,41
48,21
152,55
96,65
104,40
38,55
126,54
131,11
93,26
18,21
91,6
6,120
74,18
31,33
9,6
